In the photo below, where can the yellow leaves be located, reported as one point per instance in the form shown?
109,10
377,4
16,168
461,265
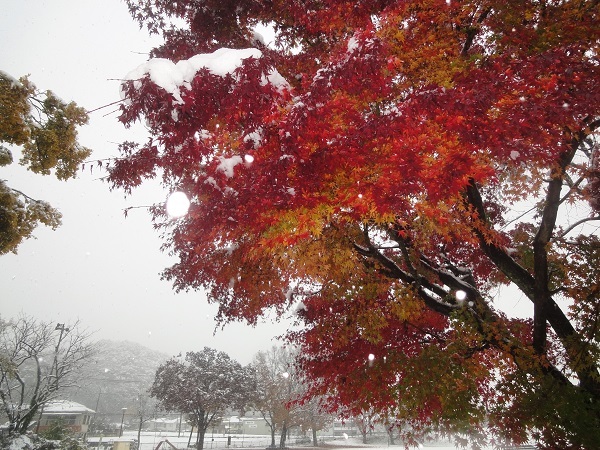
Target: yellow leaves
371,322
46,128
329,256
44,125
20,215
6,157
289,225
426,45
406,305
14,109
445,384
444,219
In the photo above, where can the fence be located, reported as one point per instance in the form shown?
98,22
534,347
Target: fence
150,440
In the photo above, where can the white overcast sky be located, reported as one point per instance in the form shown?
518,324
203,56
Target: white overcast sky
98,267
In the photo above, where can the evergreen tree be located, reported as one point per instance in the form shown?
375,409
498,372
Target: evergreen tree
203,385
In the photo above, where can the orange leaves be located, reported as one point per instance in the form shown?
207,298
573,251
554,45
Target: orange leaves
424,41
383,180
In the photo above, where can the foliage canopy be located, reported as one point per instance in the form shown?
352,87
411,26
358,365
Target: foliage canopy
46,129
203,385
391,164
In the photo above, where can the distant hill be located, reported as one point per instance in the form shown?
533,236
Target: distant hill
116,377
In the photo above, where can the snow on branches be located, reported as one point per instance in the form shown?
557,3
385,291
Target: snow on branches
373,161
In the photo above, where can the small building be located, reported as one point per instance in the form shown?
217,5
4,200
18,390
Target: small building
73,415
164,424
255,425
251,423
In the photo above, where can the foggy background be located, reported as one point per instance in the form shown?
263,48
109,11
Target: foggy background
98,267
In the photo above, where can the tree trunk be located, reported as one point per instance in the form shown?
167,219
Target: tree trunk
25,421
203,420
140,430
283,435
314,436
391,435
200,438
272,436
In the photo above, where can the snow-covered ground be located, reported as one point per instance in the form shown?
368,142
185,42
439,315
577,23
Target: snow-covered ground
150,441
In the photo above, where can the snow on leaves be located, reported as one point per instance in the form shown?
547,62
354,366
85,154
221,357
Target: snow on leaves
202,384
173,76
379,178
46,129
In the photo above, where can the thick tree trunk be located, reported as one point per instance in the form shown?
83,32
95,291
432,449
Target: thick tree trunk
535,288
201,434
23,424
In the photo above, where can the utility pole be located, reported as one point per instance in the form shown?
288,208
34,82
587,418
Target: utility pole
63,330
122,420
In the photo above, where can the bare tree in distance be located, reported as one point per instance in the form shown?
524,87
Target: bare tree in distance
364,423
312,415
38,360
277,386
144,409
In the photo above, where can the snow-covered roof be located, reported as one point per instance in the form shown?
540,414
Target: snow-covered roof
65,407
164,420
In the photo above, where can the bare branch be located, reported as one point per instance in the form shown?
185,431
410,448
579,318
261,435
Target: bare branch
576,224
39,364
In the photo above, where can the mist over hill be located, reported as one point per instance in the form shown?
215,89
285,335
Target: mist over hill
116,377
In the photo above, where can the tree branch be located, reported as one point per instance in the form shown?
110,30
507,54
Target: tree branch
576,224
472,31
525,282
505,263
392,270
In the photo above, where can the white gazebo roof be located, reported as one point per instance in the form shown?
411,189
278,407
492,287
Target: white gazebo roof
164,420
66,407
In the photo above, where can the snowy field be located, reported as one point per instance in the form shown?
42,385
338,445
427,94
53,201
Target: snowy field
150,441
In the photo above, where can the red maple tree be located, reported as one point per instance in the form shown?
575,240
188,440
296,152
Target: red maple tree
391,164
